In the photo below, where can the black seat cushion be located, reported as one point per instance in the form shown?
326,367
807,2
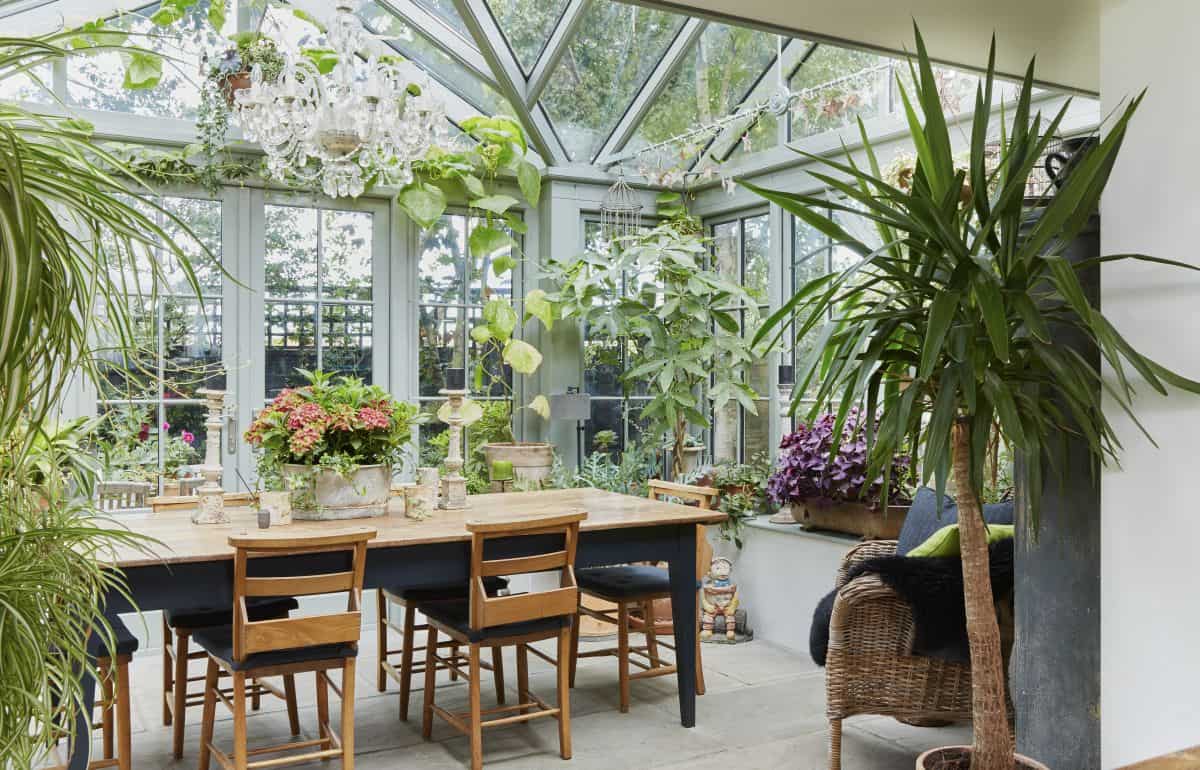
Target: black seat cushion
126,642
456,614
626,582
258,608
493,586
218,642
925,517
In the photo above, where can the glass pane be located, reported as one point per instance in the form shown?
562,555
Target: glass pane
604,67
433,439
756,428
839,85
810,253
97,81
32,86
203,218
711,83
191,344
346,240
443,260
602,366
757,272
485,284
347,335
415,45
291,343
487,374
446,10
129,441
441,337
129,368
291,252
527,25
183,437
726,252
607,415
858,227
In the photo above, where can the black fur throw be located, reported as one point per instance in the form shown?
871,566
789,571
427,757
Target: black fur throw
933,588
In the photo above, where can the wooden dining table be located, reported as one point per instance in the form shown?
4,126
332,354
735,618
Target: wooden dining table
191,565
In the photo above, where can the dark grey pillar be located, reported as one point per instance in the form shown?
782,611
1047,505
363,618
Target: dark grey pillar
1055,669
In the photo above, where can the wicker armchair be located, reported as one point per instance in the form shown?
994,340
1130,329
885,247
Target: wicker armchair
869,668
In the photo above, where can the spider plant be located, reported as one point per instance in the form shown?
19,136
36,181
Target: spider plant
70,234
943,331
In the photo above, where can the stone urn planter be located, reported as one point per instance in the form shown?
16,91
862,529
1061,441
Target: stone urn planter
531,461
851,518
959,758
691,459
322,495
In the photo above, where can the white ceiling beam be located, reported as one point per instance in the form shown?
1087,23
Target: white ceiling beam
688,35
554,49
442,35
509,78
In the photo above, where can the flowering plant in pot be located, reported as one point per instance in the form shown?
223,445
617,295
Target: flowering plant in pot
334,444
828,483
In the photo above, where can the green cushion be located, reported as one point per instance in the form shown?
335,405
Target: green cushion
502,470
945,542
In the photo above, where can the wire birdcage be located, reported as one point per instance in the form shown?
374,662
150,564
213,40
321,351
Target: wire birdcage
1038,185
620,212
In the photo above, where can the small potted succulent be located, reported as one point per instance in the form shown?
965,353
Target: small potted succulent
334,445
834,492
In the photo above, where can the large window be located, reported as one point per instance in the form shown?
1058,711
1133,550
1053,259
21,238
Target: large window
153,385
741,252
318,298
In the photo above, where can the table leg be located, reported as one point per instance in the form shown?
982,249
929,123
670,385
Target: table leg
683,616
81,745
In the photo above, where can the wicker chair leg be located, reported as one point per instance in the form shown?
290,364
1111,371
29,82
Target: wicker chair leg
835,744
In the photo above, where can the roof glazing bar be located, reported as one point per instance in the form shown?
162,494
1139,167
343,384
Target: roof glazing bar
554,49
661,75
441,34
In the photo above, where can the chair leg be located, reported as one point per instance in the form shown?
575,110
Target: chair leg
430,683
835,744
210,712
255,696
240,750
348,714
498,673
406,662
381,638
476,708
699,661
453,654
124,729
289,696
522,675
576,622
623,654
167,635
105,666
564,696
323,710
651,636
182,642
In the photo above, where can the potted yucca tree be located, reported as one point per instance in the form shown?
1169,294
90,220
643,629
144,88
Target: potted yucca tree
943,330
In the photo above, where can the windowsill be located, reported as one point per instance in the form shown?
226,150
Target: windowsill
764,523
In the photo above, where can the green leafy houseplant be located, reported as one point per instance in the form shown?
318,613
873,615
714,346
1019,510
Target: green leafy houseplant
671,315
944,329
743,493
68,233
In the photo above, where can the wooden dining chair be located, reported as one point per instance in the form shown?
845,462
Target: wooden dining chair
630,592
287,646
504,548
408,664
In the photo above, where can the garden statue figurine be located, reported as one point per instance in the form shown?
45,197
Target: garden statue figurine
718,596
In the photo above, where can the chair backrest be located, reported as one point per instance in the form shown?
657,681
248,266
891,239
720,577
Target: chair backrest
347,559
121,495
705,497
530,545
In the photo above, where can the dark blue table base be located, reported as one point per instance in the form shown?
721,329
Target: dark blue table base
211,583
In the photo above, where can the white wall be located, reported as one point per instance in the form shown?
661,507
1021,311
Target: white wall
1150,609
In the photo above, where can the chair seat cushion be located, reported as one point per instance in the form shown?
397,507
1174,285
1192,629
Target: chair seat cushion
260,608
455,613
218,642
493,586
126,642
626,582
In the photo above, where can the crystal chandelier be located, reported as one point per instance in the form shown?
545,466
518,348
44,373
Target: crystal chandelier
363,121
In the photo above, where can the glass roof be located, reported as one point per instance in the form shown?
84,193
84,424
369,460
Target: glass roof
592,81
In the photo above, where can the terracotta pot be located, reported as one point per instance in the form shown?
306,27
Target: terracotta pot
319,494
231,85
531,462
958,758
852,518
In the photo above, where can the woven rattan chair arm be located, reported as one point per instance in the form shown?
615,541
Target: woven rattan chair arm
861,552
866,607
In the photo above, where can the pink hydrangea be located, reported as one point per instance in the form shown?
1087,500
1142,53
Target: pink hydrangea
304,439
188,437
374,418
308,414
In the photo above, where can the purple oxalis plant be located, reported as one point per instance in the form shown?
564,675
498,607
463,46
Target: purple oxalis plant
806,470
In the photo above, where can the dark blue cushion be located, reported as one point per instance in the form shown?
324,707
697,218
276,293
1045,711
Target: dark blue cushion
925,517
258,608
218,642
493,586
456,614
126,642
627,582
